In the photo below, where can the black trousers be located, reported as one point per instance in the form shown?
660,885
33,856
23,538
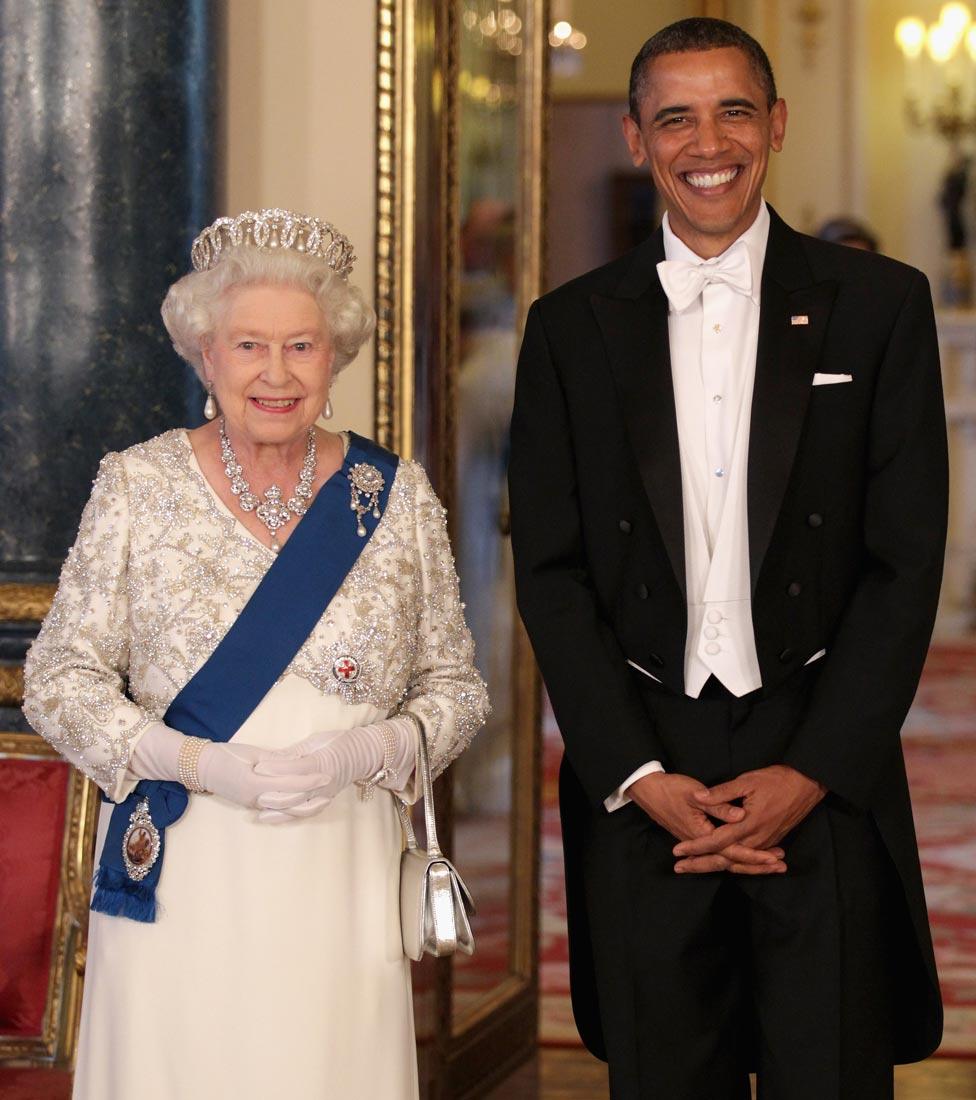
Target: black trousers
702,979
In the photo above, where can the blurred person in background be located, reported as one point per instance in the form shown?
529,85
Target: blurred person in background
848,231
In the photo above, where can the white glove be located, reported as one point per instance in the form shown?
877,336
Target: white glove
336,758
226,769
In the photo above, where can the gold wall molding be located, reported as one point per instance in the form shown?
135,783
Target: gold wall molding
11,685
25,602
395,159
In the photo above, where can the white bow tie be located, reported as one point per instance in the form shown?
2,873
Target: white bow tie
683,281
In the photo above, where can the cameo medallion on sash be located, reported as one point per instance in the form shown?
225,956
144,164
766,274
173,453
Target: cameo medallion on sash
140,843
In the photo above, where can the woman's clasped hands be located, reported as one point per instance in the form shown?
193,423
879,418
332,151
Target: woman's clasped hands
384,751
229,770
282,784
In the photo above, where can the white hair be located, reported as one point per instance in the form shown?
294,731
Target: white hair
193,304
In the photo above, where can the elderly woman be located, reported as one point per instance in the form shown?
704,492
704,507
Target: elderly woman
255,621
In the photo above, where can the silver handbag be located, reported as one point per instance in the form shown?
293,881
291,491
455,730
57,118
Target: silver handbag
434,902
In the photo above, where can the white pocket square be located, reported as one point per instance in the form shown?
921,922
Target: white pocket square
634,664
831,379
816,657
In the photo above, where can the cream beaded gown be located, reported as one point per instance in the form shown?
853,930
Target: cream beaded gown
275,966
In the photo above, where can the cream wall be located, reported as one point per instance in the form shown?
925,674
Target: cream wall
298,132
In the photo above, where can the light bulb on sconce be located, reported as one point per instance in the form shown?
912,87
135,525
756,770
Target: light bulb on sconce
955,18
910,36
941,43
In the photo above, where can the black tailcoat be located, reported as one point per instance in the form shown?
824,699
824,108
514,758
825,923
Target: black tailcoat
847,503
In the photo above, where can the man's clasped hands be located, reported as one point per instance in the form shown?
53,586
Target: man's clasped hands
753,812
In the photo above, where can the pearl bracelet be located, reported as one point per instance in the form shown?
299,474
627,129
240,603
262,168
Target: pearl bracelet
367,787
187,762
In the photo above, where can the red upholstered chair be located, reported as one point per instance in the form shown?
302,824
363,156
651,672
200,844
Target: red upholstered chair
48,813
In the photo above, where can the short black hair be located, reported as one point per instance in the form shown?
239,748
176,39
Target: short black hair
699,33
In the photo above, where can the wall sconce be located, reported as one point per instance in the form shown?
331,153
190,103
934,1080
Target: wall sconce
948,48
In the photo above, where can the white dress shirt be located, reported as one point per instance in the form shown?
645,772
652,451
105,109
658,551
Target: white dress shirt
713,343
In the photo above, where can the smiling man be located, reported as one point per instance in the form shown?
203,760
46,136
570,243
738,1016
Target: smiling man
728,492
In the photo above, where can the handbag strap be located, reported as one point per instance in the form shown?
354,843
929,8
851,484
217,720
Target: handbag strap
430,820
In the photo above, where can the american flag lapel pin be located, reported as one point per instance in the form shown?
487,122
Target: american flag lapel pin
799,319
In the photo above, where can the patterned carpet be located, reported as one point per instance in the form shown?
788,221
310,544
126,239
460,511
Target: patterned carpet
940,750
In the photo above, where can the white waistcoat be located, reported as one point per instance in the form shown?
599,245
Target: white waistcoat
713,361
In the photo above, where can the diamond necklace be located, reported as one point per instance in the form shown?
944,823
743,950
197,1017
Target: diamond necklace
269,508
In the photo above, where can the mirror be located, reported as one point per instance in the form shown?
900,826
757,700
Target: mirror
460,199
488,331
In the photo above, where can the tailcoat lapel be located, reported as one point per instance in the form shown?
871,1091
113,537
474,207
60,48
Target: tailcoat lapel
634,323
786,360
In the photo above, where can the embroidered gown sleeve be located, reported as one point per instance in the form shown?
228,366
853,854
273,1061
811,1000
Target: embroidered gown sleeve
75,672
444,688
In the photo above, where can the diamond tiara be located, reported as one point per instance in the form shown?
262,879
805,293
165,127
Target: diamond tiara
274,229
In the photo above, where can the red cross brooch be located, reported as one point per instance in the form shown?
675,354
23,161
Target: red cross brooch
346,669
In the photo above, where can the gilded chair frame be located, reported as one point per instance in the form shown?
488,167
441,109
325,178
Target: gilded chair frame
56,1045
26,604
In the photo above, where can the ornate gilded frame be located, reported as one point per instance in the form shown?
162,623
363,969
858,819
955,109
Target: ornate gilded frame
417,280
395,154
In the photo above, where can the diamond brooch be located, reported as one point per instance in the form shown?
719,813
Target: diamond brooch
366,483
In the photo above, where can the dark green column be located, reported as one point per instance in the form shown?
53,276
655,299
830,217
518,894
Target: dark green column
107,169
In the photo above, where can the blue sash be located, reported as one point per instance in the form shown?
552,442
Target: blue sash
275,623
